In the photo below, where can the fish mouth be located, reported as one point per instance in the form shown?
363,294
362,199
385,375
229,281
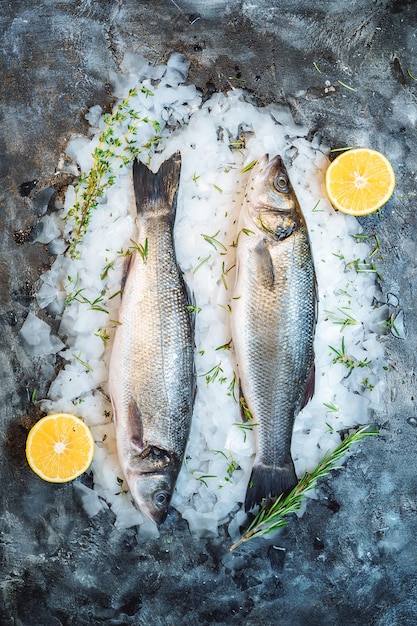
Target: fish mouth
157,518
151,493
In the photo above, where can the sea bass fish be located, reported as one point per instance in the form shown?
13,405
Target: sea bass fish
151,374
273,321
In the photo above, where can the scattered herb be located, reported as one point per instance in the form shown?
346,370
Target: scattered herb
344,359
225,346
203,478
248,167
87,366
264,226
224,274
367,385
315,209
213,373
142,249
78,296
331,407
245,427
342,149
246,232
346,86
194,309
245,410
211,239
201,263
232,387
363,267
103,334
390,323
106,269
344,320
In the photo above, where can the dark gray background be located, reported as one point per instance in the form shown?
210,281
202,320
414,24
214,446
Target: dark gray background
352,558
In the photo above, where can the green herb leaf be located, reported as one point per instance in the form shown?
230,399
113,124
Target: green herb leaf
274,517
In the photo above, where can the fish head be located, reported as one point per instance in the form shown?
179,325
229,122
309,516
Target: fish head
152,493
271,199
151,477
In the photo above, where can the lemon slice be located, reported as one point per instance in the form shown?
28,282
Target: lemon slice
360,181
59,447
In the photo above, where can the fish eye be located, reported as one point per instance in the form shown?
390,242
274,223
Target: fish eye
281,182
160,498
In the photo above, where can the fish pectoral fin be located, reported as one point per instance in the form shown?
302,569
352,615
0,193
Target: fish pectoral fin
134,420
309,390
153,458
126,266
264,265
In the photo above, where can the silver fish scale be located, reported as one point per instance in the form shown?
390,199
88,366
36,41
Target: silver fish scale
276,341
158,344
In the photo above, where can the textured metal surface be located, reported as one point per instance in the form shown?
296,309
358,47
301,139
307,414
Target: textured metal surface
352,557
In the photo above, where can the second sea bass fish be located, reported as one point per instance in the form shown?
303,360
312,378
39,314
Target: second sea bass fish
273,321
151,369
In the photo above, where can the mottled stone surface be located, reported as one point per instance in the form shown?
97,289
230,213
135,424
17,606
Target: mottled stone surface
352,557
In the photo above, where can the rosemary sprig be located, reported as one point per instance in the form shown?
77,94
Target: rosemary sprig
103,334
87,366
141,248
116,148
207,258
231,388
211,239
331,407
203,478
346,86
345,359
212,373
94,305
248,167
344,320
246,231
272,518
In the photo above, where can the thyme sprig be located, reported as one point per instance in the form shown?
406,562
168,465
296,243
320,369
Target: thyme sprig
274,517
116,148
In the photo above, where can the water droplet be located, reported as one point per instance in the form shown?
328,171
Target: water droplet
412,421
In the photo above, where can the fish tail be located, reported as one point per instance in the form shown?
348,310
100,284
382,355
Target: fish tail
153,190
268,482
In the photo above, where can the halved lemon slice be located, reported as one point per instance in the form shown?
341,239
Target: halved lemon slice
360,181
59,447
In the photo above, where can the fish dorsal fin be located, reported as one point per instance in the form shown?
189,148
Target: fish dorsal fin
153,459
264,265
